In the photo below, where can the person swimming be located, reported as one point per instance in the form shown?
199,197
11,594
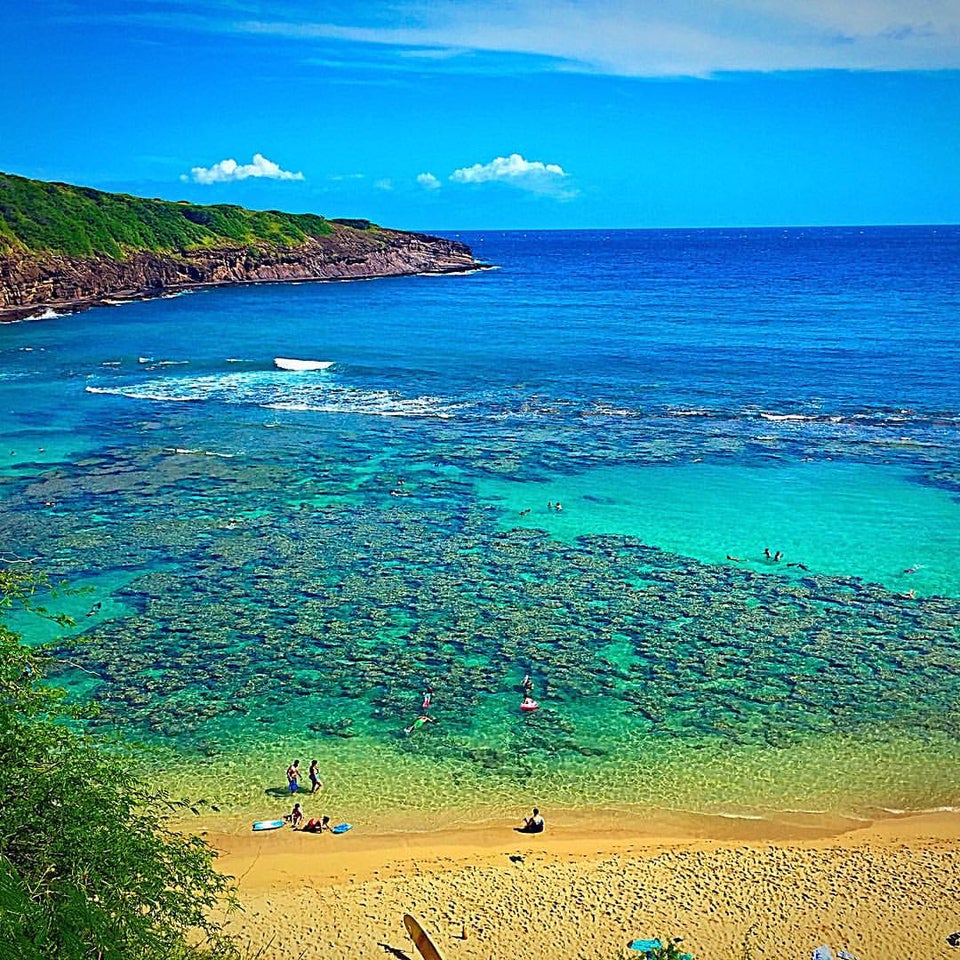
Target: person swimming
421,721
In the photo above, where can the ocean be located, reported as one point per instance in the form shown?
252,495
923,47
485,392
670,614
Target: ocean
747,603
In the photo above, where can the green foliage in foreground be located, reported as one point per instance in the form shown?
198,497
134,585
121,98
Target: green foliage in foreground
88,865
79,221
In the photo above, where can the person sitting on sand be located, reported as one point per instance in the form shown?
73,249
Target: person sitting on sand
532,824
316,825
418,723
295,816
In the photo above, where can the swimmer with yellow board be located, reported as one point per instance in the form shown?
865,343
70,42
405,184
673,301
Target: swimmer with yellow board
420,939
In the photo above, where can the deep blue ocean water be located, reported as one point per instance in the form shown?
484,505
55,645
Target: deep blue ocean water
283,560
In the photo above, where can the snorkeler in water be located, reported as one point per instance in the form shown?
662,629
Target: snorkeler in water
421,721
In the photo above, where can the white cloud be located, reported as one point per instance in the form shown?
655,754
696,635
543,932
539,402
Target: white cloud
649,37
532,175
428,181
384,184
227,171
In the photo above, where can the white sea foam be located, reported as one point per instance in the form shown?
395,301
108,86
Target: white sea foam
48,314
202,453
739,816
143,394
277,390
288,363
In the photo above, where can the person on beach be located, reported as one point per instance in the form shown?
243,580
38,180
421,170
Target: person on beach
418,723
316,825
295,816
293,776
315,782
532,824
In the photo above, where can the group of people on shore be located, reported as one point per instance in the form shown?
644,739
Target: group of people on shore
297,820
293,776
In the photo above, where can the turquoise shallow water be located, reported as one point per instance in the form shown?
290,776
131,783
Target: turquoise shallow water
836,519
283,561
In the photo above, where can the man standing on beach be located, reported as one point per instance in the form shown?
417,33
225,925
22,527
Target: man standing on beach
293,776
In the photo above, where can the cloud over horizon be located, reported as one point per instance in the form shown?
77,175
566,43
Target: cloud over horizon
428,181
532,175
229,171
647,37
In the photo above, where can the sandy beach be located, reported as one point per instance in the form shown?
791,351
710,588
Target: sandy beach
731,888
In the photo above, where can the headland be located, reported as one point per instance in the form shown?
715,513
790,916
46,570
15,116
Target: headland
66,248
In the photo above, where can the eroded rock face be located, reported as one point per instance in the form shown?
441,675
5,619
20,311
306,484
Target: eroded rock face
31,283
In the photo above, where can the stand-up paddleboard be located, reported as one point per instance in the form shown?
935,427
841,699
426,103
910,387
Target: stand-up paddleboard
287,363
420,939
268,825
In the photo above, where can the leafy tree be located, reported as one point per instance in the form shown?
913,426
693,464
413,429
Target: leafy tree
89,866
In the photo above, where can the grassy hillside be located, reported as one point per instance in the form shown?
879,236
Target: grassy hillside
78,221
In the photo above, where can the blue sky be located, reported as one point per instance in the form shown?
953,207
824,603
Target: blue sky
454,114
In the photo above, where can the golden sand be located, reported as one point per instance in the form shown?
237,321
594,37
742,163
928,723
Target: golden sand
731,888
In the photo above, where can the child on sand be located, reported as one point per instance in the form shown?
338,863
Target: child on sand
296,816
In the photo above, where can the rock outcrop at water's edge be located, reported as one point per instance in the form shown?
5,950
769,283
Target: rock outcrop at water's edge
34,281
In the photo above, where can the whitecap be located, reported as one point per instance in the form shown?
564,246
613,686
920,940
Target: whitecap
48,314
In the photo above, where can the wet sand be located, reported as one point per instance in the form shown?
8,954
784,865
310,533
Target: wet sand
731,888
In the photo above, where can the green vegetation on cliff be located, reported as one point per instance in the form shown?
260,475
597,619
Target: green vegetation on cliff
57,218
90,866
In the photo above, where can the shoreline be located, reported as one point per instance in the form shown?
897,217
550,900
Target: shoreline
731,889
64,308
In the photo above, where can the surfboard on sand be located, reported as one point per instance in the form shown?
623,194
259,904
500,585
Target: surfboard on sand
420,939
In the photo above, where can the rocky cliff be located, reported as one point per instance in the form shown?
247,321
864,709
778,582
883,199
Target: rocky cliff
33,281
68,247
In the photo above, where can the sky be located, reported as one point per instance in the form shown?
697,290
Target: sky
503,114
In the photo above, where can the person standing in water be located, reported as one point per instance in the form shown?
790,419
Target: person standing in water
293,776
315,782
427,697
